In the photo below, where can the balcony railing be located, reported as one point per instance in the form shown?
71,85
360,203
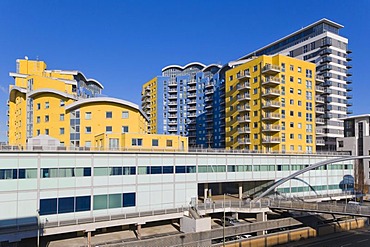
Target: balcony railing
319,89
320,99
320,121
244,130
245,141
272,69
271,127
320,109
319,78
270,116
320,142
244,97
271,93
271,140
243,86
271,80
244,119
243,75
271,104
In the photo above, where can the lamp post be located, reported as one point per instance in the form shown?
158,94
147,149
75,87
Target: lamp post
38,227
223,225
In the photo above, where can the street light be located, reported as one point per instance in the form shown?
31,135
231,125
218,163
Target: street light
38,227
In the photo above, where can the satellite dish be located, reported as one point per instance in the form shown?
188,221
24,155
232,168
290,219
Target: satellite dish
26,57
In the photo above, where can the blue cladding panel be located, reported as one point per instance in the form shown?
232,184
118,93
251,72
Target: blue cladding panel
48,206
83,203
66,205
128,200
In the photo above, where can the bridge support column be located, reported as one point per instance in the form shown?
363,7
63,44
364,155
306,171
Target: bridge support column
240,190
88,239
261,217
138,231
220,189
205,191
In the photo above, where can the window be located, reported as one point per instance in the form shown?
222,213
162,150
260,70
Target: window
308,138
308,95
292,113
255,136
299,102
154,142
169,143
308,106
255,79
230,78
255,91
291,136
46,131
291,67
255,68
309,117
46,105
299,69
108,114
291,124
88,144
308,73
291,79
299,92
299,114
283,67
305,48
291,101
37,132
108,129
61,131
62,103
128,200
291,147
300,136
38,107
66,205
88,129
299,125
83,203
308,84
340,144
255,113
61,117
137,142
87,115
38,119
47,118
299,81
48,206
125,114
124,129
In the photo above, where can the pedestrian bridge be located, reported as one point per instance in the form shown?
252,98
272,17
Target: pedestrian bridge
328,208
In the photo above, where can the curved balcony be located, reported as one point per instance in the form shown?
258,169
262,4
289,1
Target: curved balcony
270,116
243,86
271,81
244,97
245,119
245,130
319,78
243,75
271,140
271,128
271,104
271,93
270,69
244,141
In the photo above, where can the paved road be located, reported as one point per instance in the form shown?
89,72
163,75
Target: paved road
353,238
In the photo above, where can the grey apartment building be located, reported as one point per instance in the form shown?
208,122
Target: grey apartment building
321,44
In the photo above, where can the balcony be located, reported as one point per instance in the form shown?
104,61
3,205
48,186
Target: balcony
192,95
244,97
319,78
348,51
172,103
349,103
319,89
147,89
270,69
172,116
190,89
326,60
172,90
191,82
349,111
243,75
328,84
172,84
192,115
192,102
209,85
271,93
208,98
348,58
172,110
244,141
245,130
326,52
210,91
271,128
271,116
349,89
320,121
271,81
320,100
244,86
192,108
349,66
320,142
320,132
172,97
327,91
326,67
349,81
145,95
172,129
320,110
271,140
245,108
349,96
326,43
172,123
349,73
271,104
245,119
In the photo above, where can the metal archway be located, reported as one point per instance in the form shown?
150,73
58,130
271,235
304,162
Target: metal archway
309,168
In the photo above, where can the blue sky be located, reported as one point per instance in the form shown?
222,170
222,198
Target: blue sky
123,44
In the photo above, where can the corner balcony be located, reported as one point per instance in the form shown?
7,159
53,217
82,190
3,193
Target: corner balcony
210,91
245,119
271,128
243,76
245,108
245,130
320,132
320,142
271,93
246,141
320,100
271,104
320,110
319,89
192,108
243,86
245,97
271,81
271,116
320,121
271,69
319,78
273,140
191,89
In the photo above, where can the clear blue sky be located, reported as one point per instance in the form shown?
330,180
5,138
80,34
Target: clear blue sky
123,44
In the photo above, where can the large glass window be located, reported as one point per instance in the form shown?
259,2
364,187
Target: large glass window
48,206
128,200
100,171
83,203
100,202
115,200
66,205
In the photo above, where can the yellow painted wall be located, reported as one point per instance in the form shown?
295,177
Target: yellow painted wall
236,89
149,98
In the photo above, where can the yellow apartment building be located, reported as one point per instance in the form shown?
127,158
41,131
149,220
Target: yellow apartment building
271,105
66,105
149,103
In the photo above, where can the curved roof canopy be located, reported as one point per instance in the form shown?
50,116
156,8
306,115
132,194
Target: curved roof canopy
76,72
49,90
174,66
82,102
